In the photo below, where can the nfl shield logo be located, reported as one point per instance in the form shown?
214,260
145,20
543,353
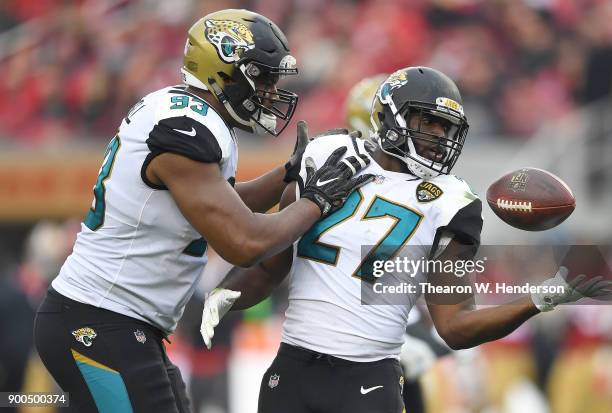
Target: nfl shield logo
140,336
273,382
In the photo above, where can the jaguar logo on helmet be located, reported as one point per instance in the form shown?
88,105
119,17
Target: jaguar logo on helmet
230,38
395,81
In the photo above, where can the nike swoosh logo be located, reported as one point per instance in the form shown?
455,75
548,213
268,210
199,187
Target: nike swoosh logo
366,391
192,132
321,183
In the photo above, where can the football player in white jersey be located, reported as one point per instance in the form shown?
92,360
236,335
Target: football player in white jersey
339,349
165,191
421,346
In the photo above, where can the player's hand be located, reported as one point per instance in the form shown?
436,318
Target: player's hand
217,303
330,185
292,167
571,291
416,357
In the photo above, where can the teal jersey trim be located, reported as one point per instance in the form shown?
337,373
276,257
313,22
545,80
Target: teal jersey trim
196,248
95,216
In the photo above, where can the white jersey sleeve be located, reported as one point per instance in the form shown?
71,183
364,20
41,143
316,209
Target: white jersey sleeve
458,214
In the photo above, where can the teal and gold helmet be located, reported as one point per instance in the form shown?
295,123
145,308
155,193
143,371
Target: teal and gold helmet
358,105
230,53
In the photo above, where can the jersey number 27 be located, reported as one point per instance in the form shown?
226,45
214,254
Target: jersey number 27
406,223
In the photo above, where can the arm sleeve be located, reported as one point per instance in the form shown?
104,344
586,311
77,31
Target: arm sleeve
184,136
465,227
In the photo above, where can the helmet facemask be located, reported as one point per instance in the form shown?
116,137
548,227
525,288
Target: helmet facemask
426,155
255,107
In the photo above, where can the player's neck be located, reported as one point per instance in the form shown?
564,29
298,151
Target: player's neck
214,103
387,162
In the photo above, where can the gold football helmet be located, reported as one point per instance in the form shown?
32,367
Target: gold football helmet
359,104
231,53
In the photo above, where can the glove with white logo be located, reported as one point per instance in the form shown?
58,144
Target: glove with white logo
571,291
292,167
217,303
330,185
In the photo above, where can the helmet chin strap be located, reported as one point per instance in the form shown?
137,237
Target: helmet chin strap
414,167
268,123
191,80
221,98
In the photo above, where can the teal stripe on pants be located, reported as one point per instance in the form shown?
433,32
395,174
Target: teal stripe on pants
107,388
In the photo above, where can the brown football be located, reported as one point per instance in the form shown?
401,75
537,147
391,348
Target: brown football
531,199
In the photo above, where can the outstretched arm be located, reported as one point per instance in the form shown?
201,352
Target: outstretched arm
240,236
263,193
214,209
462,326
456,319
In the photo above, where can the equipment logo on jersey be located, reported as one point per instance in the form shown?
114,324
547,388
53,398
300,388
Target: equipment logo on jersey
273,382
85,335
140,336
230,38
427,192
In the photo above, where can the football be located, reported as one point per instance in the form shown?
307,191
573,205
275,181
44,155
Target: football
531,199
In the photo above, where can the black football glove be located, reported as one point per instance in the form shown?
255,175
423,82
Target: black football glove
292,167
331,184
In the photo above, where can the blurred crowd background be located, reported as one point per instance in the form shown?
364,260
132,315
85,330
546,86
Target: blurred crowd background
69,69
536,78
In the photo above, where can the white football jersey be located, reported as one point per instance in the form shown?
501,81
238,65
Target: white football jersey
325,312
136,254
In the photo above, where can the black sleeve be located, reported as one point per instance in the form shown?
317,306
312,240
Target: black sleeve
184,136
465,226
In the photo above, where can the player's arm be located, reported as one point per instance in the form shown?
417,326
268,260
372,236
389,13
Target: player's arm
258,282
455,317
240,236
245,287
462,326
264,192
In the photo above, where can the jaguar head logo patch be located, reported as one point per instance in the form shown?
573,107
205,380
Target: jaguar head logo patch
85,335
427,192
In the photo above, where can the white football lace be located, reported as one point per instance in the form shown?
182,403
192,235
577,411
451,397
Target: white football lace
514,205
